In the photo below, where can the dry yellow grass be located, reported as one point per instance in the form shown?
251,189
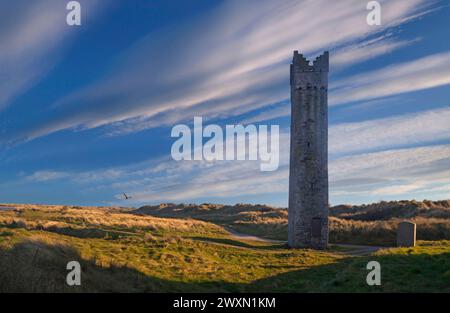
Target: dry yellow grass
45,217
124,252
374,224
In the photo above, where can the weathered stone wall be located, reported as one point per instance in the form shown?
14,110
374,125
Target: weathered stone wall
308,179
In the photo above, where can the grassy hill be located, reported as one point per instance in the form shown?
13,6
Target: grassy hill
121,251
364,224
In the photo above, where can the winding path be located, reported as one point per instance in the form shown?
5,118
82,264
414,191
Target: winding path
348,249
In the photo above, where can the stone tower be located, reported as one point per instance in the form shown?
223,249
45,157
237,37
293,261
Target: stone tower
308,175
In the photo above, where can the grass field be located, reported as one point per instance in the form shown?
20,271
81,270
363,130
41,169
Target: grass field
123,252
374,224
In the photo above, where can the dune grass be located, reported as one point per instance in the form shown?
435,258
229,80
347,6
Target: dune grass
123,252
373,224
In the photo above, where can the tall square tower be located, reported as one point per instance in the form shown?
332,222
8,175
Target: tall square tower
308,174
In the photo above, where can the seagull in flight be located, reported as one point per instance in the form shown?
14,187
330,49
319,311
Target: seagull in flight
126,197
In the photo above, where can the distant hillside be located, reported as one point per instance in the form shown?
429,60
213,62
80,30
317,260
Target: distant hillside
259,220
372,223
365,212
393,209
216,212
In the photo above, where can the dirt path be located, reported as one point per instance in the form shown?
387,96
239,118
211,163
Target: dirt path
348,249
237,235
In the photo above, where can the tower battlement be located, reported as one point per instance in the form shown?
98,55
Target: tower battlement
320,64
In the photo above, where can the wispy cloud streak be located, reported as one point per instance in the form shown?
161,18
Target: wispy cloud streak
387,170
427,72
32,34
226,63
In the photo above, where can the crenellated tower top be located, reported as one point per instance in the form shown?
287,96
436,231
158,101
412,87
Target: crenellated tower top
304,74
320,64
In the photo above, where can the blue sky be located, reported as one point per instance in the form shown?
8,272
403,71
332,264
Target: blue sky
86,112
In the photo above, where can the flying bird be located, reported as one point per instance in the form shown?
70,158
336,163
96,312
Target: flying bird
126,197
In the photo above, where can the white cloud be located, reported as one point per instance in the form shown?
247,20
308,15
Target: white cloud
387,173
427,72
414,164
280,110
31,34
420,128
424,73
45,176
231,61
397,173
237,65
404,130
367,50
398,189
393,172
